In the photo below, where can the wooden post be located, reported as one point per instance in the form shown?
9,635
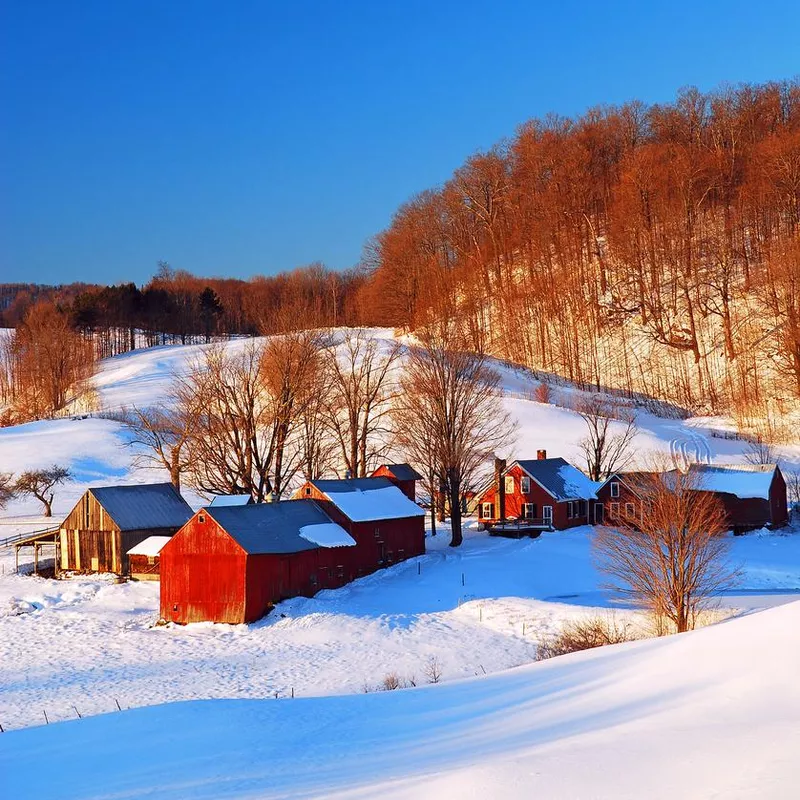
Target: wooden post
16,559
35,558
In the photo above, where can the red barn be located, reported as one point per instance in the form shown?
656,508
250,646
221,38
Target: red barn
403,476
233,563
548,493
387,526
753,495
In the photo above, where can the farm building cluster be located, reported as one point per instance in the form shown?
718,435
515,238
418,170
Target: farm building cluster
233,560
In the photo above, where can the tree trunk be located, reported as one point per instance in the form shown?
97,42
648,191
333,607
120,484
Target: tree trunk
454,485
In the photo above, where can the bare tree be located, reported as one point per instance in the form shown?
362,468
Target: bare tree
760,452
358,398
6,488
605,447
675,559
40,483
449,398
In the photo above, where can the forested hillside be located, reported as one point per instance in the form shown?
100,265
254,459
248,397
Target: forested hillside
647,249
651,249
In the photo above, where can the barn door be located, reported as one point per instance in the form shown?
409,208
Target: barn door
598,514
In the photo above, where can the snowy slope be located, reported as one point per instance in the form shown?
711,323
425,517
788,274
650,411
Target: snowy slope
708,714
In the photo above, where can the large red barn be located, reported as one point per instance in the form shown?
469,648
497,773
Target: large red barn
233,563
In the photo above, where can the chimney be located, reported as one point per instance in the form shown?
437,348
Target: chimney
500,486
541,455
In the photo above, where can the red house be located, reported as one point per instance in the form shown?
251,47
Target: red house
403,476
233,563
547,493
387,526
620,498
753,495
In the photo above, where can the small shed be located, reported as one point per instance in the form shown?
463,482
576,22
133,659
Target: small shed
233,563
109,520
388,527
144,560
404,476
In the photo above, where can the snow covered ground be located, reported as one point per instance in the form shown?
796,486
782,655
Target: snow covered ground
585,725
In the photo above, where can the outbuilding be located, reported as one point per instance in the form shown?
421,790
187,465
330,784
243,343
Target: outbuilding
387,526
108,521
144,558
753,495
404,476
233,563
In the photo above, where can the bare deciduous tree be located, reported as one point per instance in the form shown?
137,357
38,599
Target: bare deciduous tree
760,452
40,483
449,399
6,488
358,398
675,560
605,447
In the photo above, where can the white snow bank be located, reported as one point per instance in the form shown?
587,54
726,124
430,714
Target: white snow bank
592,724
386,503
327,534
151,546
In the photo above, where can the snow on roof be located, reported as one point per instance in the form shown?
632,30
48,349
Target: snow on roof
327,534
143,506
151,546
560,478
262,528
230,500
366,499
740,480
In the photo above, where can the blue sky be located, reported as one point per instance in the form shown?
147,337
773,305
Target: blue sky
237,137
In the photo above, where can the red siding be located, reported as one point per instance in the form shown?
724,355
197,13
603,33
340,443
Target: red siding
537,495
408,488
618,515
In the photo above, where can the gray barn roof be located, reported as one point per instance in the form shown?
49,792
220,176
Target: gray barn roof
403,472
560,478
270,527
339,485
144,506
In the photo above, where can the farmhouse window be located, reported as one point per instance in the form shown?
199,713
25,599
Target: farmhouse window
487,511
509,484
630,510
614,510
569,509
525,485
614,489
529,510
547,513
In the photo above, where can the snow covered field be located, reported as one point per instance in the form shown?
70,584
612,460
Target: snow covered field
584,725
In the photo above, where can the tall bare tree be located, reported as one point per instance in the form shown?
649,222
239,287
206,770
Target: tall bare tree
675,560
6,488
358,397
40,483
449,414
610,431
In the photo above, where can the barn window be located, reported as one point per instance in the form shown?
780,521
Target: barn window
313,580
509,484
377,533
201,518
308,491
175,607
525,485
487,511
614,510
614,489
341,570
630,510
151,560
401,554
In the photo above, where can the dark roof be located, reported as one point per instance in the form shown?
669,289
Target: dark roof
144,506
350,484
403,472
637,481
270,527
560,478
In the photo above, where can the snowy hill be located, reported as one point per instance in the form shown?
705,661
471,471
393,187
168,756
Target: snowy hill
707,714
